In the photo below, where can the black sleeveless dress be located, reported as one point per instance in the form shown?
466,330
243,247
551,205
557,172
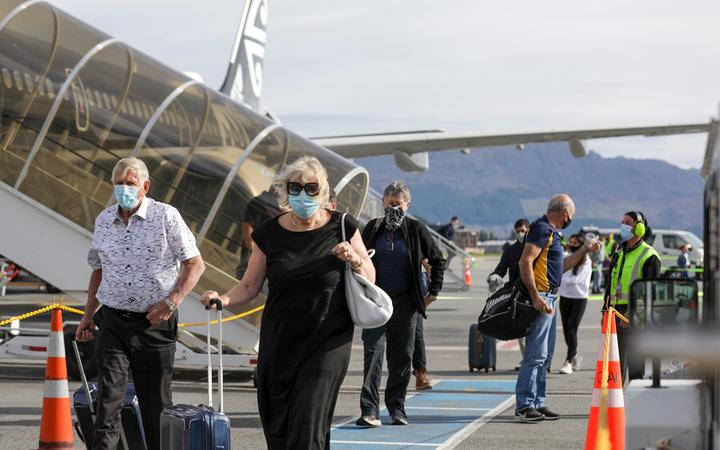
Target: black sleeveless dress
305,335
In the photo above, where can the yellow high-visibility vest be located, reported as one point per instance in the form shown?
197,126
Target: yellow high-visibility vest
631,264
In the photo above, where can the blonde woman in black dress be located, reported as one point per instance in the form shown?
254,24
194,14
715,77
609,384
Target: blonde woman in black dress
306,331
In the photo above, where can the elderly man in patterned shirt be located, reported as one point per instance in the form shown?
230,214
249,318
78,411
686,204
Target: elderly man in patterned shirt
135,287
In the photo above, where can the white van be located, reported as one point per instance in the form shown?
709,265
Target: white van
668,243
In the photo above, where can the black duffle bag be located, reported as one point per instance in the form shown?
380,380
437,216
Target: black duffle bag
508,313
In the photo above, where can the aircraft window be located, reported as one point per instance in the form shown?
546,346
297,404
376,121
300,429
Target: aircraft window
672,241
49,87
114,101
7,77
18,80
173,122
146,110
89,97
106,101
131,109
98,99
29,85
122,108
138,109
40,85
67,94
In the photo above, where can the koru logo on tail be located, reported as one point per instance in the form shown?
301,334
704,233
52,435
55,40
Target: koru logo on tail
253,46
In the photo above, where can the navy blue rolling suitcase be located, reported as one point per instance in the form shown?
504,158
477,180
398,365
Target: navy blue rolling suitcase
482,350
190,427
132,436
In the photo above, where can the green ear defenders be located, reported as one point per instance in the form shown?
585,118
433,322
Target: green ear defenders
640,228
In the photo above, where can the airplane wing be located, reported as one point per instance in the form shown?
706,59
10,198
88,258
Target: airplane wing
435,140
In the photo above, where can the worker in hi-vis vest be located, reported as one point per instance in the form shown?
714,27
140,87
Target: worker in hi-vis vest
633,259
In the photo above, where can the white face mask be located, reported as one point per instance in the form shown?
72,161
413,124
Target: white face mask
518,235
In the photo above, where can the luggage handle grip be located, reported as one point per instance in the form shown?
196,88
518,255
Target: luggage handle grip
219,306
215,301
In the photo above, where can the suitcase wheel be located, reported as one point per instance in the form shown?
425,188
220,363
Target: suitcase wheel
487,369
471,369
494,370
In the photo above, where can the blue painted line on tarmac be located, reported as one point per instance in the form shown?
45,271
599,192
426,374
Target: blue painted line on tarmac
436,417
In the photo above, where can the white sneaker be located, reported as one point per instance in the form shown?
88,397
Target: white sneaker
566,368
576,362
368,422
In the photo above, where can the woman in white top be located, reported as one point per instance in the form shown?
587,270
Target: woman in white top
573,300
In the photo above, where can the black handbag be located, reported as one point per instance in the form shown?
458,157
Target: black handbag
508,313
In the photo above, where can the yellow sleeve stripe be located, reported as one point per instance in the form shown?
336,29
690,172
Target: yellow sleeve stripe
540,270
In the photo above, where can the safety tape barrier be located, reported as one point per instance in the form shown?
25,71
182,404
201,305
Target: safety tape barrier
226,319
49,308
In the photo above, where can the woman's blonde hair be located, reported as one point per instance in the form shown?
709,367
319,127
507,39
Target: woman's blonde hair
304,167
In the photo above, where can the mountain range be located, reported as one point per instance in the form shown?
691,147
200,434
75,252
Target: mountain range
491,187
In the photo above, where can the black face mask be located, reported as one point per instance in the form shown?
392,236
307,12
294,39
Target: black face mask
394,216
574,248
566,223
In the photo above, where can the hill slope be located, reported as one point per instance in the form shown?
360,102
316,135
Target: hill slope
493,187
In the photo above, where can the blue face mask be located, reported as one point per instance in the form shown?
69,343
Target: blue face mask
126,196
303,205
626,232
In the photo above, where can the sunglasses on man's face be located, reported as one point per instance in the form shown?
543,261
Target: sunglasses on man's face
311,189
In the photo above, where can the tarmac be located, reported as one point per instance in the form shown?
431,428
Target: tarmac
465,410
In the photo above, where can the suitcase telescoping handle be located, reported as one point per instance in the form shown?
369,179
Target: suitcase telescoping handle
86,386
219,306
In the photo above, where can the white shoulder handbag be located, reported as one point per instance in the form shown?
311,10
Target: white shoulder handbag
370,306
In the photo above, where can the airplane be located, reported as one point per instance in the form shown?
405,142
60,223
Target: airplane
74,100
243,83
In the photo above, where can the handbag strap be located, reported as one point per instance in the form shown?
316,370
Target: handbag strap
342,227
371,252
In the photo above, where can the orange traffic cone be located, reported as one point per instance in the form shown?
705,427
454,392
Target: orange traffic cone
56,422
468,277
606,427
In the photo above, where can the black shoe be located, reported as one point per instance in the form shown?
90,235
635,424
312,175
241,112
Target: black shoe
398,419
549,415
529,415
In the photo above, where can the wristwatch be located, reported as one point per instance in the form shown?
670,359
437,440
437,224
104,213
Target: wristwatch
171,306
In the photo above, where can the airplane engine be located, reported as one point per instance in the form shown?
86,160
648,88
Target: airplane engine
577,148
415,162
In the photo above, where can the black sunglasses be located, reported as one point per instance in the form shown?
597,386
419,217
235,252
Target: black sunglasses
311,189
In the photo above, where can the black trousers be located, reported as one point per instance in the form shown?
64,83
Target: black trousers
128,343
571,311
299,415
398,335
419,358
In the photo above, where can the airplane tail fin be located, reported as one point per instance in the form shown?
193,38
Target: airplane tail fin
243,82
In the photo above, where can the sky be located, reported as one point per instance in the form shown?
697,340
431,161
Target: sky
343,67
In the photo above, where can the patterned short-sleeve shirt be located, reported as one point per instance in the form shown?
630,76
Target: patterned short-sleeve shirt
140,261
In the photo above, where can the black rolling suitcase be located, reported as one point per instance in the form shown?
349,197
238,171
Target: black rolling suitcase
482,350
190,427
132,435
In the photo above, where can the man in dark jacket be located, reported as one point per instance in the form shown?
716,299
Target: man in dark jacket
400,245
511,254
